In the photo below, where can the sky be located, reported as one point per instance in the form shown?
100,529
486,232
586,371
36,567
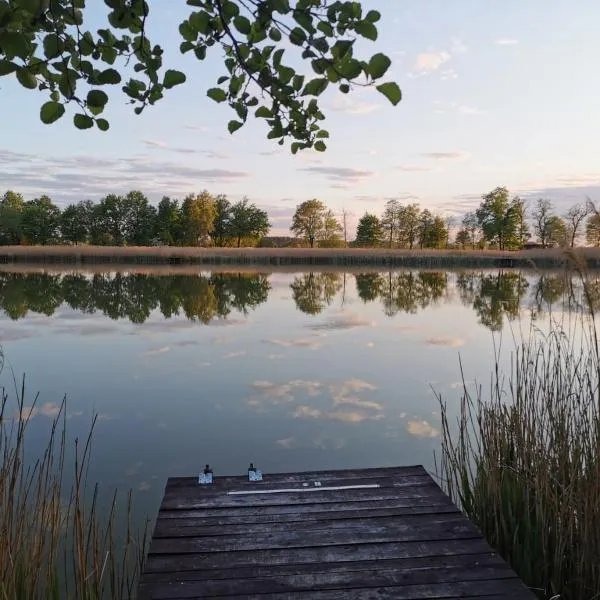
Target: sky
494,93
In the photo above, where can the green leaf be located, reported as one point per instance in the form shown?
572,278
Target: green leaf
82,121
326,28
297,36
200,21
242,24
109,55
173,78
344,88
322,134
263,112
14,44
351,69
391,91
315,87
367,30
187,32
217,94
378,65
109,76
275,34
97,98
51,111
186,47
53,46
233,126
320,146
373,16
26,79
7,67
102,124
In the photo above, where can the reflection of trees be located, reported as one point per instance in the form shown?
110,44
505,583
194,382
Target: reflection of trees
404,291
134,296
493,295
313,292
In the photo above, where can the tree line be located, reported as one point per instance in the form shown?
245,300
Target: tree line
500,222
203,298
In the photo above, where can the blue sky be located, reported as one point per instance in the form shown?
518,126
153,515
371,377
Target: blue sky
494,94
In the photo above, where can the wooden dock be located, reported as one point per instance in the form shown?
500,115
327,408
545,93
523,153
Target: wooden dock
330,535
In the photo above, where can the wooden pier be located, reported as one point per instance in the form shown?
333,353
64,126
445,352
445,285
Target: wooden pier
331,535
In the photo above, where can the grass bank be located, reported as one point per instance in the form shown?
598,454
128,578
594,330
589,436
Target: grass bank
298,257
56,541
523,461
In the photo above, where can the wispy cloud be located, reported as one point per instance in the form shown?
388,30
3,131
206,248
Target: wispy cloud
353,106
344,319
341,174
414,168
454,155
422,429
449,342
427,62
302,343
506,42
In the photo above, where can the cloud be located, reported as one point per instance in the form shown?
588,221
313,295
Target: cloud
414,168
448,74
470,110
235,354
506,42
312,344
89,330
287,443
340,174
155,144
351,106
457,46
49,409
200,128
427,62
155,351
422,429
344,319
14,335
284,392
448,342
455,155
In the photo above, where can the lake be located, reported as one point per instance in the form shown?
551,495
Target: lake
289,370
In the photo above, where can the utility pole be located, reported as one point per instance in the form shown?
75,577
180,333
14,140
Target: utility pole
345,229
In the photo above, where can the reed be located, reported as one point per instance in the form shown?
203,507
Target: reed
523,459
57,540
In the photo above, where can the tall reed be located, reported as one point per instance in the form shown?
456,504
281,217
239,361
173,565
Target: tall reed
56,539
523,460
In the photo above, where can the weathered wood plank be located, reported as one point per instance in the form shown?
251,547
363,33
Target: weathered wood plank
367,522
189,500
165,525
160,563
453,526
421,563
305,509
331,580
326,475
513,588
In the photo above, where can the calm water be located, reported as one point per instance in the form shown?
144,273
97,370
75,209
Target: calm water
292,371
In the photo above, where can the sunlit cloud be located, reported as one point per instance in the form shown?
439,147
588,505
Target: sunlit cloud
341,174
344,319
422,429
426,62
450,342
287,443
48,409
414,168
302,343
448,156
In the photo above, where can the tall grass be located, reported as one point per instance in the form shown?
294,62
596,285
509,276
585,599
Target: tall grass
523,461
56,540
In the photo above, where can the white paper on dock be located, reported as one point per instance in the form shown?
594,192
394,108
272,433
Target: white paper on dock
205,478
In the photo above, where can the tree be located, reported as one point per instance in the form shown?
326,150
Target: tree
11,218
517,215
248,221
390,220
496,219
556,232
258,76
368,231
541,215
332,232
471,226
139,219
221,226
75,222
438,236
198,217
463,238
425,226
109,221
168,221
592,230
308,221
41,221
408,225
575,217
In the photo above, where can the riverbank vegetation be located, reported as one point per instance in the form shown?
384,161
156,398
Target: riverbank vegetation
57,542
523,461
213,221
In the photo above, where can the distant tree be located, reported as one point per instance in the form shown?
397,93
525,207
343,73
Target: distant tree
408,225
248,221
592,230
575,218
556,232
110,220
517,215
198,217
369,232
308,221
139,219
75,222
496,219
542,213
41,220
471,226
425,227
438,237
463,238
221,231
390,221
11,218
168,222
332,232
313,292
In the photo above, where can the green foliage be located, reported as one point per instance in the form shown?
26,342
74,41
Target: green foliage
309,221
75,222
557,234
501,220
541,216
592,230
11,218
198,215
247,221
259,42
368,231
313,292
168,222
41,221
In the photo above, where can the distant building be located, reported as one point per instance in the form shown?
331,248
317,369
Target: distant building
533,246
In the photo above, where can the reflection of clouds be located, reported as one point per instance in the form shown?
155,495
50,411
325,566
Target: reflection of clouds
144,486
449,342
13,335
370,344
277,393
154,351
312,344
235,354
49,409
287,443
318,443
275,356
422,429
344,319
88,330
455,385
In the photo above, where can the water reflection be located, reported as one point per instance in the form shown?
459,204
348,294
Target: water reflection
494,296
